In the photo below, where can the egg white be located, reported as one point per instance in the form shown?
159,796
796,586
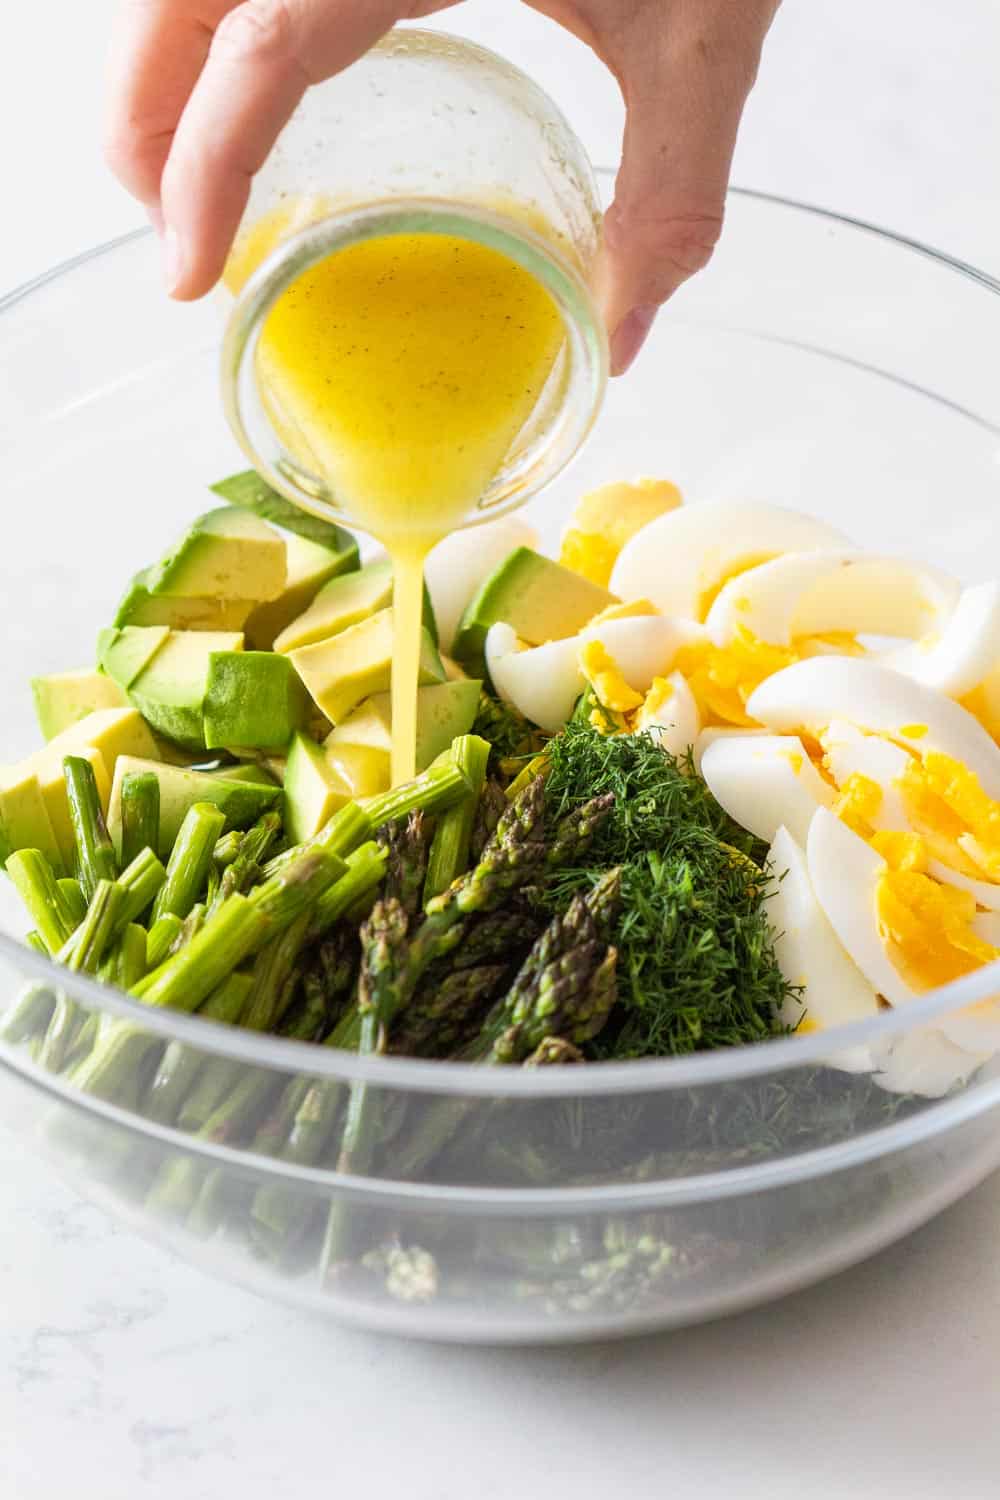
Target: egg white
764,782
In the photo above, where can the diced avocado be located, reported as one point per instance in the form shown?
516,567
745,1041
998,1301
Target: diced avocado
257,775
253,698
140,607
253,493
366,770
24,821
64,697
356,663
343,602
444,711
170,693
541,599
310,566
47,766
227,554
124,653
110,731
314,790
241,801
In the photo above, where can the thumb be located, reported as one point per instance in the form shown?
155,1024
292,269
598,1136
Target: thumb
685,82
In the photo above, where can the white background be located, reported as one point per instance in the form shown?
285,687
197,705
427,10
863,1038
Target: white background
126,1376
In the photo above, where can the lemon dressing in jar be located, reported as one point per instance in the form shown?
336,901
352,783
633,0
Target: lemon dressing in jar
413,361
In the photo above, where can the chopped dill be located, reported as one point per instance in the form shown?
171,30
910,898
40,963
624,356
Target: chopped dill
697,967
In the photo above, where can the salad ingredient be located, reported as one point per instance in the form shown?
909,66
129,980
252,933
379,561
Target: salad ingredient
539,598
449,851
811,955
226,554
253,699
140,609
190,860
965,650
63,698
24,820
765,782
123,652
344,601
95,855
682,559
314,789
241,801
445,710
457,568
248,491
170,690
341,671
48,768
605,519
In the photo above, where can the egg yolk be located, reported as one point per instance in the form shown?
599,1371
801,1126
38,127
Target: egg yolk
945,801
610,688
927,929
723,677
858,804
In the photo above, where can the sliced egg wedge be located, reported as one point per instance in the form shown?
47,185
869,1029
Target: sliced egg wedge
965,653
764,782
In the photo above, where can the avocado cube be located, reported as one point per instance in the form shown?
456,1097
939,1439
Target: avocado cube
249,491
348,667
310,566
140,607
110,731
170,692
64,697
541,599
444,711
345,601
24,821
124,653
243,802
227,554
366,770
314,790
253,698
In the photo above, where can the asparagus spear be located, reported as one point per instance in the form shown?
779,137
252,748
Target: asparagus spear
30,1015
297,887
161,937
441,1014
306,1020
139,883
449,855
76,901
489,809
365,869
349,827
574,833
405,841
190,927
82,953
140,814
185,980
95,853
190,860
37,887
275,976
181,1064
131,956
37,942
553,1050
228,847
244,869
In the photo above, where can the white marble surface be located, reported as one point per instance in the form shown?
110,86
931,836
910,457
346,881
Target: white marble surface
127,1376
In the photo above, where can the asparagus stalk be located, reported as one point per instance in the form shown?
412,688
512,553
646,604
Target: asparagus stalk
37,942
66,1021
433,791
76,901
131,956
190,860
95,853
489,809
228,848
537,766
190,927
82,953
186,979
140,814
552,1051
275,976
306,1021
30,1015
349,827
365,869
139,883
244,869
406,844
182,1064
160,940
449,855
442,1013
37,887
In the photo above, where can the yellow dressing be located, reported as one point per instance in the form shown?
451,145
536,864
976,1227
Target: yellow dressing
401,369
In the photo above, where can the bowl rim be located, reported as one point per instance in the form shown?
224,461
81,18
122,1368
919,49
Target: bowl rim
748,1061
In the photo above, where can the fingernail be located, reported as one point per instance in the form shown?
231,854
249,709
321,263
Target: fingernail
630,335
172,259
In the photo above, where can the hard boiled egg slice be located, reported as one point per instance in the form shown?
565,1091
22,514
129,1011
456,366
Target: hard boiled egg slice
810,954
986,894
458,566
670,714
809,694
845,874
848,752
543,683
681,559
877,596
764,782
967,650
713,732
977,1027
925,1062
642,648
764,600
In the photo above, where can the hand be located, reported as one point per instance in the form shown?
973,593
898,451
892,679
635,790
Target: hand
201,89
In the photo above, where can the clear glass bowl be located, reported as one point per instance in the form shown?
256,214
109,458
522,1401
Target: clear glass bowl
819,363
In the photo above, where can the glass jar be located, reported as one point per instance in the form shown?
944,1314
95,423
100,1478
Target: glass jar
427,134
